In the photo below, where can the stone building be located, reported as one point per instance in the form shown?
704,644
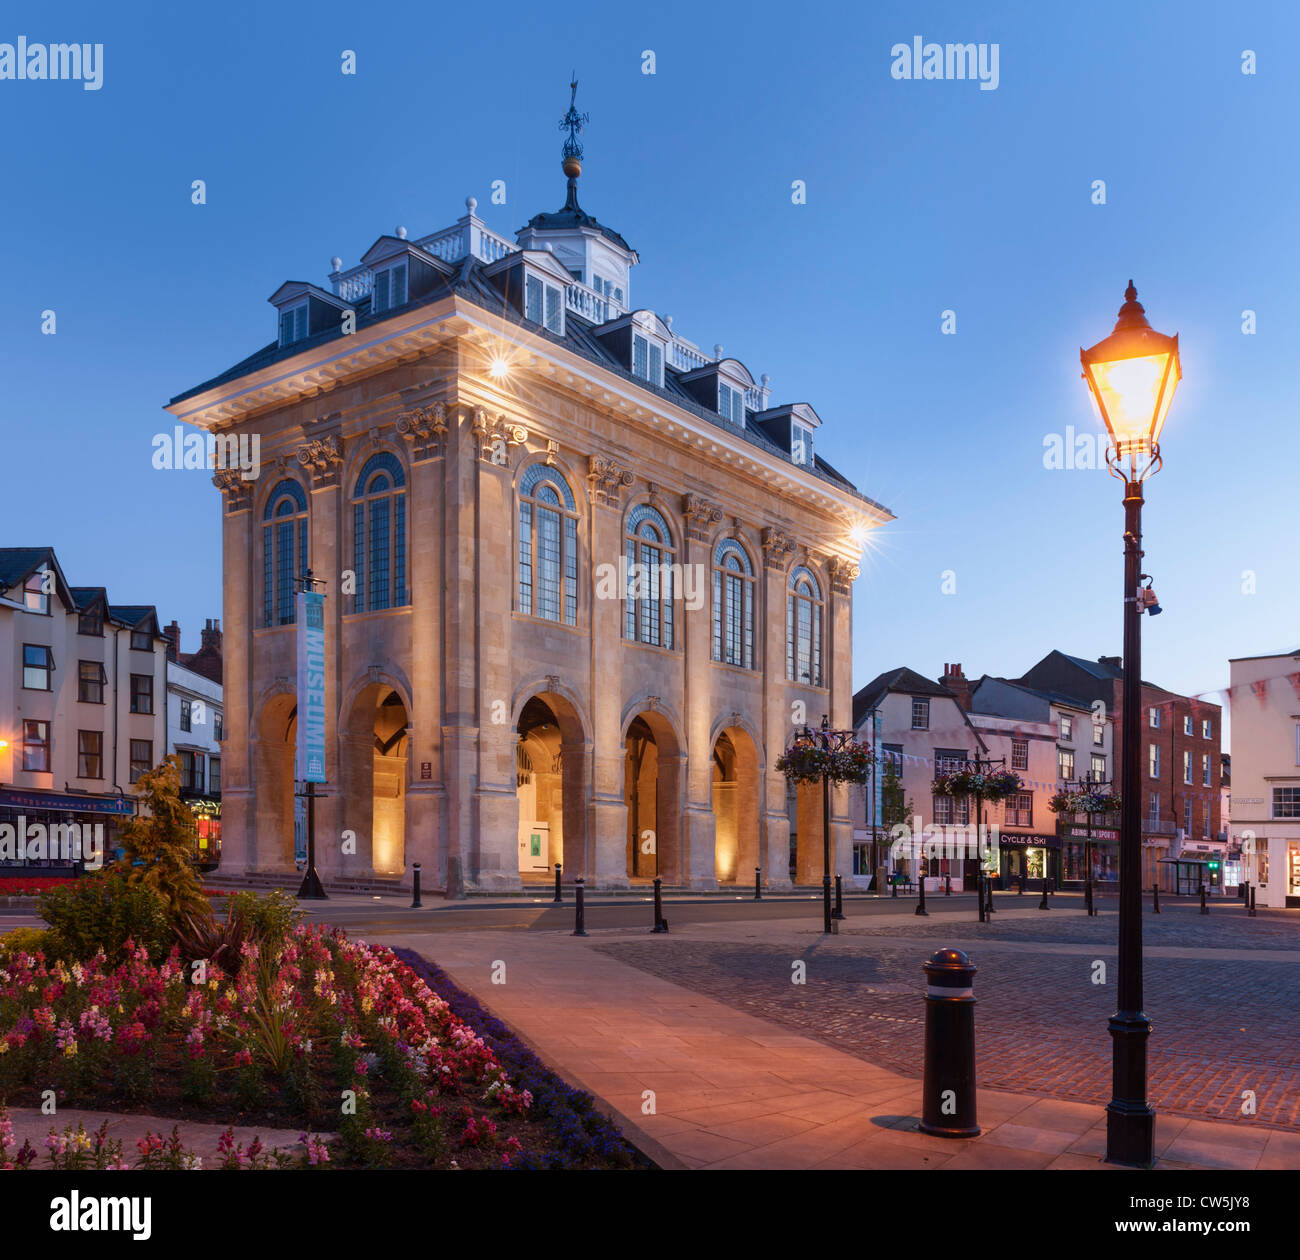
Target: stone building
582,578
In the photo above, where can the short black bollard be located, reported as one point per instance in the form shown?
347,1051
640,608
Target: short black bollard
1251,911
948,1092
989,908
661,924
1205,908
416,903
1020,885
758,883
1042,905
893,886
579,915
1087,895
920,905
947,885
979,895
839,897
1155,897
1241,889
558,898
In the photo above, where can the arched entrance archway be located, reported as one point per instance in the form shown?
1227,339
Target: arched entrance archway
375,738
735,806
273,784
652,774
551,764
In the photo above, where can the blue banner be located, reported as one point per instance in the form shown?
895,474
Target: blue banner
311,687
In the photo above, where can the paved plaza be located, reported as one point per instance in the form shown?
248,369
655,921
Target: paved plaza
748,1070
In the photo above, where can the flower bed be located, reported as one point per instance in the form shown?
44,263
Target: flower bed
34,885
317,1031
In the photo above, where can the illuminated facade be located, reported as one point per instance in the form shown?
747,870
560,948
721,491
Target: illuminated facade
581,577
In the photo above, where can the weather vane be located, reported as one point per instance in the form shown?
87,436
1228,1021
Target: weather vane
573,122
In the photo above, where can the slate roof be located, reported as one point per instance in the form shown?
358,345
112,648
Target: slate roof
131,614
17,564
470,283
904,680
572,215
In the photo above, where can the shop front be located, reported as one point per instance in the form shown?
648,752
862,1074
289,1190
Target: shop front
1023,859
1082,848
207,831
59,833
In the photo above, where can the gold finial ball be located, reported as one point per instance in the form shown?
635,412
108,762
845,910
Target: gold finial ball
571,167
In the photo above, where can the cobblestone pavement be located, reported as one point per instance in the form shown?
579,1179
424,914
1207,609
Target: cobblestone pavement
1225,1014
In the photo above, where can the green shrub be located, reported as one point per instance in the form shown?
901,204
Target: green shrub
104,911
267,918
23,940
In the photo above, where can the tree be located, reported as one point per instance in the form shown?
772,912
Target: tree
159,845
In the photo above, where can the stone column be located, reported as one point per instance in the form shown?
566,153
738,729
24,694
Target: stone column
698,837
607,821
839,658
238,547
778,724
496,443
322,461
423,428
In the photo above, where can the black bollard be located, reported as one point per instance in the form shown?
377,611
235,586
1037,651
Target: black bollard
948,1092
1155,897
1020,884
661,924
893,886
947,885
416,903
979,895
1087,895
1251,911
920,905
758,883
1205,908
989,908
1042,905
558,898
839,897
579,916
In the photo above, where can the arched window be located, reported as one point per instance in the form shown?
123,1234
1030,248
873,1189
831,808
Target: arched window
548,546
379,534
733,605
648,601
803,628
284,551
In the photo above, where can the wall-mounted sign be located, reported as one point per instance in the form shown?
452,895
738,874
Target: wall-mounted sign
426,769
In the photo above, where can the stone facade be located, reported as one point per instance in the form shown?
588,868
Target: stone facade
449,710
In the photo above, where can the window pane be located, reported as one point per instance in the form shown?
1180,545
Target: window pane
525,557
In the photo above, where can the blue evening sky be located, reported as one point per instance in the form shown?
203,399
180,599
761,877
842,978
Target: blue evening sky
921,197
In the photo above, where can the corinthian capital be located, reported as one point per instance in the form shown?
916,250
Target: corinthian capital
605,480
234,489
701,516
322,458
843,574
423,428
496,435
778,547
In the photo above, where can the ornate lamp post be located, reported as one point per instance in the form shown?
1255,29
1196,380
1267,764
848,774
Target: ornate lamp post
1132,376
825,754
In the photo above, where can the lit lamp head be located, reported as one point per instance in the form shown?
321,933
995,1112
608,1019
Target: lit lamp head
1132,375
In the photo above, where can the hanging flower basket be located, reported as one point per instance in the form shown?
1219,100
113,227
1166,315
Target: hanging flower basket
806,763
988,785
1088,801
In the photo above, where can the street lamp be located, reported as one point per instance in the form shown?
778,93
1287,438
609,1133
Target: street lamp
1132,376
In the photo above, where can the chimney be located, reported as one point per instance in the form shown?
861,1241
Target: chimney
172,634
211,637
1116,661
957,683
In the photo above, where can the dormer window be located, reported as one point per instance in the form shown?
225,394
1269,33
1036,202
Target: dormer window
293,323
35,596
801,444
390,288
647,360
731,403
544,304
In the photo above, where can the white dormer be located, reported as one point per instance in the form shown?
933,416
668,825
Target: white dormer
304,310
640,342
533,281
792,427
